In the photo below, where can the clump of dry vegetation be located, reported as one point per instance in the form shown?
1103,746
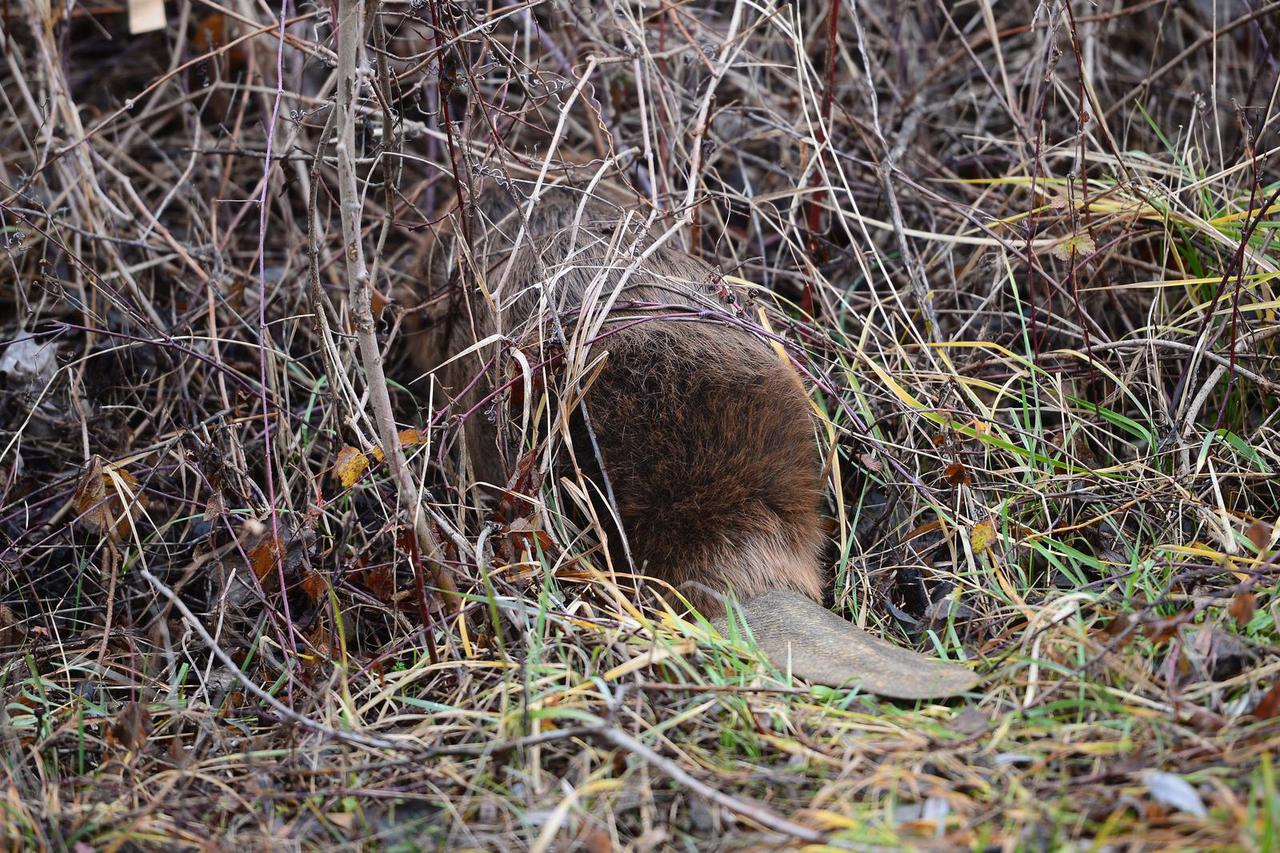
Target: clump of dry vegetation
1025,252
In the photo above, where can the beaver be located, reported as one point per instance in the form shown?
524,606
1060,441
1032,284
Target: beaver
697,436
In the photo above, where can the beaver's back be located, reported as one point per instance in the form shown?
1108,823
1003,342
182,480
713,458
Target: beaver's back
705,435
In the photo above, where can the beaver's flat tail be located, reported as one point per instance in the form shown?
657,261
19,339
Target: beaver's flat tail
803,637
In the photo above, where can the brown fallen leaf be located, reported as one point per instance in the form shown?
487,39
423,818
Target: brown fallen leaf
1259,533
1119,629
594,839
215,31
1076,244
956,474
349,466
320,640
983,536
216,507
1163,629
267,559
132,725
1269,705
523,535
108,499
351,463
263,558
381,582
411,437
313,586
1243,606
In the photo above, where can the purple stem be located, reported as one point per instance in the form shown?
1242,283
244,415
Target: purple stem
264,335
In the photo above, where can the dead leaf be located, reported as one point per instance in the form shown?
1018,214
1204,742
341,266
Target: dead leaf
1119,628
515,499
381,582
349,466
970,722
313,586
263,559
1243,606
212,33
179,757
216,507
320,639
524,536
594,839
132,725
108,499
983,536
1259,533
407,438
921,530
293,548
866,460
1173,791
1076,244
1269,705
29,363
1161,630
91,497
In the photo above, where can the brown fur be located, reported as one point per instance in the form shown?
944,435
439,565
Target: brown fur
705,435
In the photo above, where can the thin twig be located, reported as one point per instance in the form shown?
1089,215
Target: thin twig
350,81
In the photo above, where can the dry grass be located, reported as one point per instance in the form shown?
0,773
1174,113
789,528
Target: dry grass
1026,253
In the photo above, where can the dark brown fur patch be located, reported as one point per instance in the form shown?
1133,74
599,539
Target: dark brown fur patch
704,433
